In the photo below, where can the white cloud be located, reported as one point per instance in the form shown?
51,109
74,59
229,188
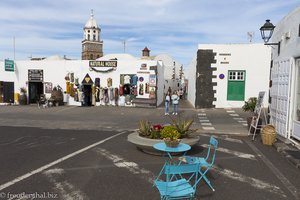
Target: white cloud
48,27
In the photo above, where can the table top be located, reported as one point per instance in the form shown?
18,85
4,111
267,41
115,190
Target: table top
180,148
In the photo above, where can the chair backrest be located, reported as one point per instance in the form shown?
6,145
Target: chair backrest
211,153
181,169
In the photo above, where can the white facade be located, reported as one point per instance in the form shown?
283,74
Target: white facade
170,66
248,62
55,71
285,73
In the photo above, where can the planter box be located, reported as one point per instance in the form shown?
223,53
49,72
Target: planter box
146,144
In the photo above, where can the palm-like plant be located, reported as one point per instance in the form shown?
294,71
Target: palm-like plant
182,126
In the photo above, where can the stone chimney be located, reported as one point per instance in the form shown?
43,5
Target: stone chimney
146,52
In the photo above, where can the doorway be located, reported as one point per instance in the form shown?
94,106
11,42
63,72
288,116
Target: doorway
87,91
236,86
8,92
35,89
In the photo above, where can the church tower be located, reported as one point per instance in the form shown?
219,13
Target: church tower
92,46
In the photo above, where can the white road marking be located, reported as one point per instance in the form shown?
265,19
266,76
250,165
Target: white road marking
235,153
237,118
204,120
206,124
234,115
202,117
230,111
242,121
245,124
225,137
150,177
256,183
208,128
66,190
201,114
130,166
20,178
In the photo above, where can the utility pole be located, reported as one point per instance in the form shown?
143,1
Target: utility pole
124,45
14,45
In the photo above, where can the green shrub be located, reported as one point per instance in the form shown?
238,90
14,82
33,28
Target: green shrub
250,104
182,126
144,128
169,132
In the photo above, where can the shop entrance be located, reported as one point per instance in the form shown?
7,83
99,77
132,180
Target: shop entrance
87,91
35,89
7,91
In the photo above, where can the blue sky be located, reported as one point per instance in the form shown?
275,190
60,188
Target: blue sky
43,28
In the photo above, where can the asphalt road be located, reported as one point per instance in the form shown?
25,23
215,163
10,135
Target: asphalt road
82,153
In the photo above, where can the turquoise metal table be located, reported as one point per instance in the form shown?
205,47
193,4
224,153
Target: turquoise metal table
181,148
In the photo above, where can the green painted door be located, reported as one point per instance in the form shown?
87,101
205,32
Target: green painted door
236,86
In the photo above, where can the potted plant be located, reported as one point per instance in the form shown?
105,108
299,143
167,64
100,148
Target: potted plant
23,96
57,96
249,106
170,135
148,134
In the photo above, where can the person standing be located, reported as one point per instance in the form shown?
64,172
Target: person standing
167,103
175,101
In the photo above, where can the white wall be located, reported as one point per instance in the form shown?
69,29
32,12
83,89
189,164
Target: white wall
253,58
287,33
191,76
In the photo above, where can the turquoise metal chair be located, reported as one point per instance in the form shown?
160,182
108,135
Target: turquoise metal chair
205,163
175,185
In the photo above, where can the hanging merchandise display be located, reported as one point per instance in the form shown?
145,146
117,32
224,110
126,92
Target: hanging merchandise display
101,95
106,99
76,81
152,93
127,79
116,96
121,91
109,82
97,82
68,87
111,94
97,93
141,89
134,80
93,95
147,88
126,89
135,93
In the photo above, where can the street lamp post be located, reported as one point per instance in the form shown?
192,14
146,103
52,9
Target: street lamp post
266,33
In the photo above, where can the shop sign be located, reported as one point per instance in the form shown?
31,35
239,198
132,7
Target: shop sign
98,63
102,66
87,80
9,65
143,66
35,75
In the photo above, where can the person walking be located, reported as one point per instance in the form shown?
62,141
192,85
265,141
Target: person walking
167,102
175,101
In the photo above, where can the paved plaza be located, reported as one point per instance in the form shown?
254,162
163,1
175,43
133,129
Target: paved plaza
83,153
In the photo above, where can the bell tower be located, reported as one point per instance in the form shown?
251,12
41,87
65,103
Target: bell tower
92,46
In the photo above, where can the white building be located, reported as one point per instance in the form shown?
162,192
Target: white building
226,75
125,75
285,77
172,72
